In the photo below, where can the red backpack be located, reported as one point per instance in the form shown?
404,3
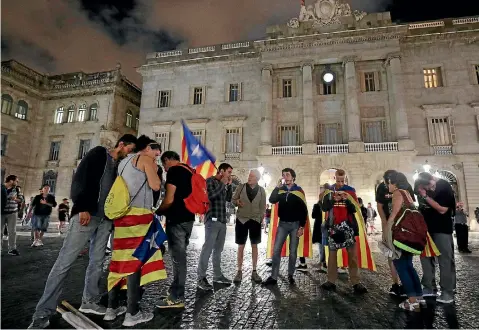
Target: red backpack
197,202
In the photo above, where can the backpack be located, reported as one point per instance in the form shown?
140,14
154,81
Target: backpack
409,231
197,202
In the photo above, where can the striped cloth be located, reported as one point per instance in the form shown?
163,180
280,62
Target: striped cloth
431,249
128,236
207,169
305,246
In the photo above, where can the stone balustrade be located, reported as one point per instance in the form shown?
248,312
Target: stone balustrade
426,25
288,150
235,45
442,150
332,149
232,156
169,53
201,50
468,20
381,147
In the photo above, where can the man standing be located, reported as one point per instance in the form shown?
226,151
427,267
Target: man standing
42,206
63,214
90,187
384,203
462,229
219,192
10,212
251,201
438,210
292,213
179,224
371,218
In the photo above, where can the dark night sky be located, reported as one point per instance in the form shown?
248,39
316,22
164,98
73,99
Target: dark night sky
54,36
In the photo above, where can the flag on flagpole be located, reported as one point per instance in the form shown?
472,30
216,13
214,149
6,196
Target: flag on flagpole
195,154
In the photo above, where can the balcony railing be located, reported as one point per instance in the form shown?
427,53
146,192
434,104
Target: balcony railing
232,156
442,150
381,147
332,149
288,150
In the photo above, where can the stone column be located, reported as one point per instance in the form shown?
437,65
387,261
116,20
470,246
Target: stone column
352,106
308,109
267,110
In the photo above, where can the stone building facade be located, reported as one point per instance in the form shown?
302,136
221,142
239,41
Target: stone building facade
331,89
49,122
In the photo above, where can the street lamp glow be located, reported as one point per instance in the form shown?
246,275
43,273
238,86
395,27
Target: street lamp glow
261,170
437,175
415,176
427,167
328,77
261,182
267,179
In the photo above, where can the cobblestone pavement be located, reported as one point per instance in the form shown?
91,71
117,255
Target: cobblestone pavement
247,305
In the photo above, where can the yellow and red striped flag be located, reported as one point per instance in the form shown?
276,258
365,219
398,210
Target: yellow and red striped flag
431,249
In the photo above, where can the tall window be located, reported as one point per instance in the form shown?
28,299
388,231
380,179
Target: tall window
54,150
137,122
129,119
369,83
93,111
7,103
83,148
198,95
4,145
163,139
82,113
71,114
199,135
164,99
288,135
233,140
432,77
287,88
50,178
22,109
374,131
330,133
476,70
442,131
59,115
234,93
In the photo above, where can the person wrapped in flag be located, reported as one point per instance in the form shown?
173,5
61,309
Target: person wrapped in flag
347,243
136,257
289,223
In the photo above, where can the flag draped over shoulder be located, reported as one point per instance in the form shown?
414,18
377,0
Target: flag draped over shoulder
431,249
136,240
365,257
305,246
195,154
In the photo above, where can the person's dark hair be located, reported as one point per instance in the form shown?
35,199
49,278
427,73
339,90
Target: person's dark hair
224,167
399,180
64,199
45,185
424,178
360,200
142,142
171,155
289,170
126,139
387,174
10,178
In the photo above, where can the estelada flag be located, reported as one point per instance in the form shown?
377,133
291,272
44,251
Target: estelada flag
365,257
195,154
305,246
431,249
136,241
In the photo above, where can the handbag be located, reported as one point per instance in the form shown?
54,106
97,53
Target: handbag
340,235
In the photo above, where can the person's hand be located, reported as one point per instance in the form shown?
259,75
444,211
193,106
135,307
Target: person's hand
224,179
240,203
280,183
300,232
421,191
230,180
43,201
84,218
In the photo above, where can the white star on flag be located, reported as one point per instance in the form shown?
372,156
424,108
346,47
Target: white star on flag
196,151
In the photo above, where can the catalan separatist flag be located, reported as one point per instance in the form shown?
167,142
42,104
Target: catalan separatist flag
195,154
365,257
136,240
431,249
305,246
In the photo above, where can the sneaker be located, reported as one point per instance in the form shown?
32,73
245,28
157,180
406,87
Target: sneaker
409,306
255,277
222,280
39,243
359,288
5,237
170,303
13,252
113,313
39,323
140,317
270,281
36,243
302,267
395,290
239,277
328,286
92,308
291,280
444,298
428,293
204,285
342,271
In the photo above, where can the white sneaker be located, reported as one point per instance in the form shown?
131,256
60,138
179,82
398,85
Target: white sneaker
342,271
40,243
140,317
112,314
36,243
5,237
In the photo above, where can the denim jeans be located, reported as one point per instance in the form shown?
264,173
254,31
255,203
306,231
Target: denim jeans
285,229
408,275
75,240
178,239
215,234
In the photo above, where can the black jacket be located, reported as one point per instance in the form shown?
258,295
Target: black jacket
4,197
291,208
85,190
318,220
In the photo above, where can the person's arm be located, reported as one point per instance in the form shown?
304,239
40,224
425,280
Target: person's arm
50,201
151,171
169,197
303,214
327,202
229,192
435,205
274,197
215,189
397,203
262,203
236,196
350,207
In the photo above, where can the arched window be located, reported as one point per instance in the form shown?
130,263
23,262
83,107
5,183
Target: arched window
93,111
22,109
7,102
137,122
59,115
71,114
129,118
82,112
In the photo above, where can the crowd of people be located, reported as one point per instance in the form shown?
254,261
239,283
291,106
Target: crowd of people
340,223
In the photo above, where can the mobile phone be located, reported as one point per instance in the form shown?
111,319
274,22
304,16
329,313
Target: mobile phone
283,181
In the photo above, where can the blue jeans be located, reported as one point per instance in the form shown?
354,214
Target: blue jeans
75,241
285,229
408,275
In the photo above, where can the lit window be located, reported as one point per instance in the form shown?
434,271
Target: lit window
441,131
233,140
137,122
432,78
287,88
93,111
22,109
129,119
71,114
164,99
7,103
82,112
59,115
